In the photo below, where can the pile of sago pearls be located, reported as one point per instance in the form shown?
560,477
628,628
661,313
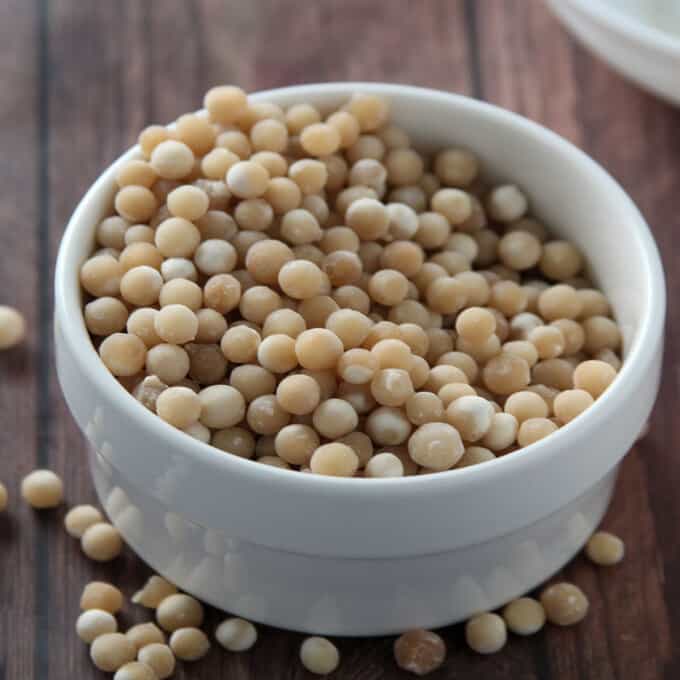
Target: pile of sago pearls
303,288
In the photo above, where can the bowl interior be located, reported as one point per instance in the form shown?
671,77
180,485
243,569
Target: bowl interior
568,190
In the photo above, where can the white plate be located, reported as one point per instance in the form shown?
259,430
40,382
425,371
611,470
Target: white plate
639,38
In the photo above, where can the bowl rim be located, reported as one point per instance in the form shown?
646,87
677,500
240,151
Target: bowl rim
651,37
69,314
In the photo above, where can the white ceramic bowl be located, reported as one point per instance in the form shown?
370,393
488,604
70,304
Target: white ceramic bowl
365,557
633,36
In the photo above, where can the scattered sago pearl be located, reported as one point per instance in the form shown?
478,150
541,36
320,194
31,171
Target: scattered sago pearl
225,104
300,279
135,203
370,110
176,324
605,549
449,393
110,651
320,139
564,603
522,349
560,260
179,611
404,167
265,259
436,446
168,363
151,136
505,374
384,465
100,595
247,179
391,387
368,218
155,590
299,116
337,460
135,670
519,250
534,429
179,406
99,276
276,353
144,634
42,489
295,444
12,327
424,407
177,237
456,167
189,644
369,173
172,159
358,366
103,316
419,651
284,321
570,404
388,287
601,333
475,324
486,633
594,377
101,542
318,349
236,635
189,202
351,327
454,204
548,341
524,405
559,302
138,254
141,286
196,132
347,126
215,257
181,292
159,658
217,162
506,203
474,455
266,416
524,616
319,655
593,303
235,440
471,416
221,406
298,394
93,623
252,381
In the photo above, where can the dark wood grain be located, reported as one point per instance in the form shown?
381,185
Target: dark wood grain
20,536
79,79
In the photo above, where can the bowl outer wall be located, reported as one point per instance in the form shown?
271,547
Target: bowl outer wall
408,516
643,54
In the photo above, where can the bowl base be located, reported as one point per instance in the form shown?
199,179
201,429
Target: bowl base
349,597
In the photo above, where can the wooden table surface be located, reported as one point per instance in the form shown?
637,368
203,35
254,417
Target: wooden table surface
79,79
